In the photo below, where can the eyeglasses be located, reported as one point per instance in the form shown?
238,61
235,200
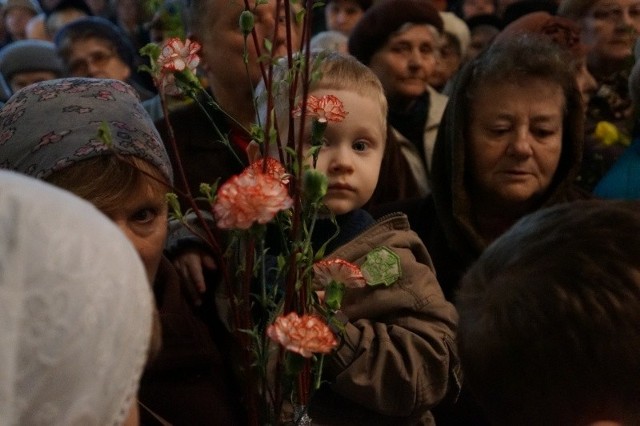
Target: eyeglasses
614,13
80,66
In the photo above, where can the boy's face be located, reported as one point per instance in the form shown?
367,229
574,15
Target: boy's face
352,152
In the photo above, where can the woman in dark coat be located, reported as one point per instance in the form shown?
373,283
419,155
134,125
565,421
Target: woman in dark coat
510,143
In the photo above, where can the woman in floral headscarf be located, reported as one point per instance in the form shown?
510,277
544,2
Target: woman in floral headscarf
51,130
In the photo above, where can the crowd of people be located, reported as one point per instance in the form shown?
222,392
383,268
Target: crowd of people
491,147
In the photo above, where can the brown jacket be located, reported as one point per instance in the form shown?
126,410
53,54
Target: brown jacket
397,359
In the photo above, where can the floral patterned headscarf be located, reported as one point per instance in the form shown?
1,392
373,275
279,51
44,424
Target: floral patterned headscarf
51,125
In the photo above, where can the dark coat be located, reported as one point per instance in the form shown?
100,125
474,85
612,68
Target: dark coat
187,382
445,219
203,155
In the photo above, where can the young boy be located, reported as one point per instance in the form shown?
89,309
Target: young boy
397,356
549,318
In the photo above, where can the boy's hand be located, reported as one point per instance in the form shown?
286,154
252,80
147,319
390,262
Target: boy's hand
190,265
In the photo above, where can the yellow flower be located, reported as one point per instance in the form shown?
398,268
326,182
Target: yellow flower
608,134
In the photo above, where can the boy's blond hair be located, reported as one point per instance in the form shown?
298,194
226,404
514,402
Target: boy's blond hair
330,71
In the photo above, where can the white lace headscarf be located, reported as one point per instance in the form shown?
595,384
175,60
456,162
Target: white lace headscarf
75,310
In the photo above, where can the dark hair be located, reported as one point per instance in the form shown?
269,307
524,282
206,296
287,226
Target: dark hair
522,8
549,330
364,4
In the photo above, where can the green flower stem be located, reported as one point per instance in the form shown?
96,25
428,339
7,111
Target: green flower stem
318,378
222,137
263,272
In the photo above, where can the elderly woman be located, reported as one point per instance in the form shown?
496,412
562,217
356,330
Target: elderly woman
610,28
343,15
510,143
75,310
399,40
622,181
95,47
51,132
24,62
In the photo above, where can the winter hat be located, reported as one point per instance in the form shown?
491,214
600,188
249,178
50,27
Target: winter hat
32,5
523,7
574,9
364,4
561,31
29,55
96,27
484,21
458,28
383,19
51,125
80,5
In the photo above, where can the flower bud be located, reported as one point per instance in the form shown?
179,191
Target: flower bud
315,185
318,128
246,22
174,205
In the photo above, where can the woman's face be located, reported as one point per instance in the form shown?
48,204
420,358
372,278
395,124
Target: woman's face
96,58
143,219
448,63
515,141
585,81
16,19
342,15
405,63
610,29
472,8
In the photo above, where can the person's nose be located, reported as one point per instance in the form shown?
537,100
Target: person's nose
92,68
341,17
520,145
590,83
415,59
340,160
276,31
625,21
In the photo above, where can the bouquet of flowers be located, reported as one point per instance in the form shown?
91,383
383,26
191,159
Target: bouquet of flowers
282,297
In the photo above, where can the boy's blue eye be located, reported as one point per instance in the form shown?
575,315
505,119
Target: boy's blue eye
359,146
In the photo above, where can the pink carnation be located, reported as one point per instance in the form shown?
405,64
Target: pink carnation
274,168
177,57
250,197
325,108
305,335
339,270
